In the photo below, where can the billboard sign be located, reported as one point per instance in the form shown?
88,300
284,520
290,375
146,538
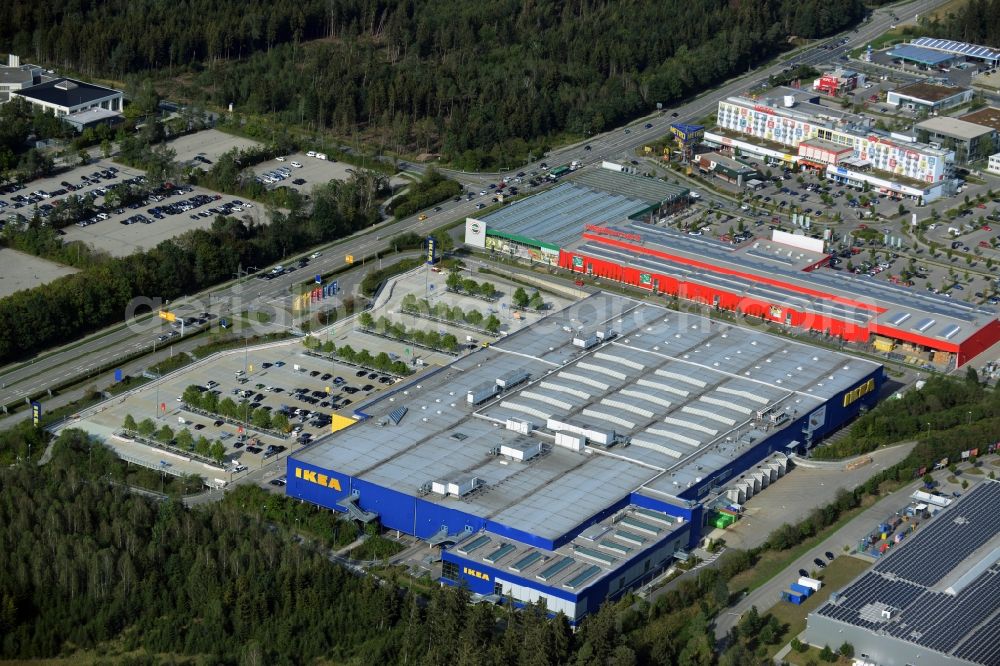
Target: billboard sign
475,233
36,413
798,240
431,249
169,316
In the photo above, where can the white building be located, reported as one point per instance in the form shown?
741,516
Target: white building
994,164
775,132
14,76
928,96
65,96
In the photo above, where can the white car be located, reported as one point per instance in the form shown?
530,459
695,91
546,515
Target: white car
321,156
296,165
315,255
311,153
280,158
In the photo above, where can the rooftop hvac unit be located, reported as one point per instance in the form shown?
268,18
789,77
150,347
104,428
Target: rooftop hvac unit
482,393
585,342
888,613
520,426
523,449
463,485
511,379
568,441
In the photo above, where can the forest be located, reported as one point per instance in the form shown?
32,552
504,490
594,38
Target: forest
222,585
977,21
480,83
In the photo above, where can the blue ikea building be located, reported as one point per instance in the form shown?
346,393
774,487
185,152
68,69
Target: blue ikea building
575,459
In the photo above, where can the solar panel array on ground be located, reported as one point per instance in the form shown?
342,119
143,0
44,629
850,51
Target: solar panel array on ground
902,597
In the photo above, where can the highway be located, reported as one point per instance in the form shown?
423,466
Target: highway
55,367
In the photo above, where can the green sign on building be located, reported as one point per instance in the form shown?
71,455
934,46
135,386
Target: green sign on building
577,262
645,278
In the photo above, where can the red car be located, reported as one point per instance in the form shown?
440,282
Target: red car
579,283
986,227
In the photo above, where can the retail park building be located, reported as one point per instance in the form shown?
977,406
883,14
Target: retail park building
579,457
796,128
613,226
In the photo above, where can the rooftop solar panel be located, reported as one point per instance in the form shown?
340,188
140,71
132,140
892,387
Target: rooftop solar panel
960,620
475,544
950,331
397,414
499,553
900,318
595,555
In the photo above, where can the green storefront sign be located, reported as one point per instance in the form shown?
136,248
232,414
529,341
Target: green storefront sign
577,262
645,278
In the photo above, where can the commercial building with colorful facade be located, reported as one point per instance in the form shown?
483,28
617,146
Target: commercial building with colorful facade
781,279
577,458
853,152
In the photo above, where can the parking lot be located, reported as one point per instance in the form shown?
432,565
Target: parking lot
23,271
315,395
121,231
208,143
302,171
316,392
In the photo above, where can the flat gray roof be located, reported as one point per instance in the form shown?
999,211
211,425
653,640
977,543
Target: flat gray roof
559,215
579,564
954,127
677,385
652,191
11,75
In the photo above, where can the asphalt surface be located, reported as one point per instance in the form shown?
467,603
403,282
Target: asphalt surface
768,594
82,358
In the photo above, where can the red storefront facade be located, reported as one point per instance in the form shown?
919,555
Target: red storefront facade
774,311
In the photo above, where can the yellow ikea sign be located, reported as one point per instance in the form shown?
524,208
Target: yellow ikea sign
855,394
317,478
475,574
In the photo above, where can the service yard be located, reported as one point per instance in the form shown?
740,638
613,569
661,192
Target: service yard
23,271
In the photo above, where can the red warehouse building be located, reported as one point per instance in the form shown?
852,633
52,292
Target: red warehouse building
785,281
